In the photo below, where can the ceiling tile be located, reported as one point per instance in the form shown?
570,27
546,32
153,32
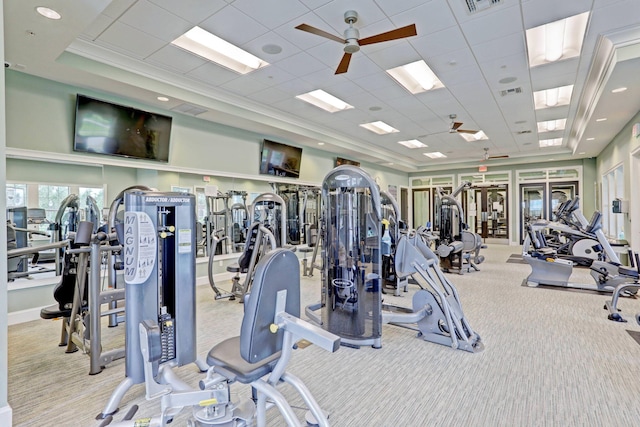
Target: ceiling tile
130,40
175,59
535,13
212,74
271,14
500,47
439,43
502,22
244,85
146,16
301,64
429,17
257,45
269,95
233,26
194,11
394,56
333,14
101,23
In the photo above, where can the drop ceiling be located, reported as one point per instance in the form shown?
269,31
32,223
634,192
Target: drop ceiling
124,47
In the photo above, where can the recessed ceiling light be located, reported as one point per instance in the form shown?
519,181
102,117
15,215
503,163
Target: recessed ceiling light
416,77
48,13
209,46
506,80
412,143
554,97
556,40
552,125
550,142
619,89
478,136
590,139
435,155
324,100
162,98
601,119
320,143
375,108
582,152
379,127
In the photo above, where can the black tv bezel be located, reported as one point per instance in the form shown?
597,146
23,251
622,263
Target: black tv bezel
285,147
121,107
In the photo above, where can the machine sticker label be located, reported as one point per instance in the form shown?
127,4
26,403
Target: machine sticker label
165,199
184,241
140,247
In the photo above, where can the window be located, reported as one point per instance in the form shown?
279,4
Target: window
16,195
50,197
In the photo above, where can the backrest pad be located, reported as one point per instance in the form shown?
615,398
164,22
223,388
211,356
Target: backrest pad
276,271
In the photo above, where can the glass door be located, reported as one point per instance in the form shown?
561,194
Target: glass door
533,205
493,221
421,207
561,192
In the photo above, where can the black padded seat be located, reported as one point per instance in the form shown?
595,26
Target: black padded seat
54,312
233,268
227,355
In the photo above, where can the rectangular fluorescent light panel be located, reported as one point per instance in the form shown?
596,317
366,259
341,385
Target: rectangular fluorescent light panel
412,143
550,142
554,97
416,77
557,40
202,43
381,128
552,125
435,155
471,137
324,100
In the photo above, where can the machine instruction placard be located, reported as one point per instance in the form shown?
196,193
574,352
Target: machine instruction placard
140,247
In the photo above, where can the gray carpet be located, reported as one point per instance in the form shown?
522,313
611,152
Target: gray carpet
550,359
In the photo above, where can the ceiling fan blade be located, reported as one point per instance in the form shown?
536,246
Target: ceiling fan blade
344,64
400,33
466,130
455,125
319,32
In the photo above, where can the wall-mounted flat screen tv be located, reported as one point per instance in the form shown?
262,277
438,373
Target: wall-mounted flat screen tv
105,128
280,160
341,161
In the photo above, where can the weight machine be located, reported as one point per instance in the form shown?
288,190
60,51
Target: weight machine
159,272
351,305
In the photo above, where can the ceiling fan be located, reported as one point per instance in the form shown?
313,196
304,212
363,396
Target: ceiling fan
488,157
455,126
352,41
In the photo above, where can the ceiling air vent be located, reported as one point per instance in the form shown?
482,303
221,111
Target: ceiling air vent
522,132
478,5
511,91
192,110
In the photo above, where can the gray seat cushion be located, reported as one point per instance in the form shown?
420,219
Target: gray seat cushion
227,355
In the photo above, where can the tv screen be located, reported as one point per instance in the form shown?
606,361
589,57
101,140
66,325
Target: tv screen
280,159
341,161
105,128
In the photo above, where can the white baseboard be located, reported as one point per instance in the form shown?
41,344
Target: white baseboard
6,415
23,316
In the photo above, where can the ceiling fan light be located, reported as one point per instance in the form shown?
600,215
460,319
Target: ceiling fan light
416,77
209,46
324,100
